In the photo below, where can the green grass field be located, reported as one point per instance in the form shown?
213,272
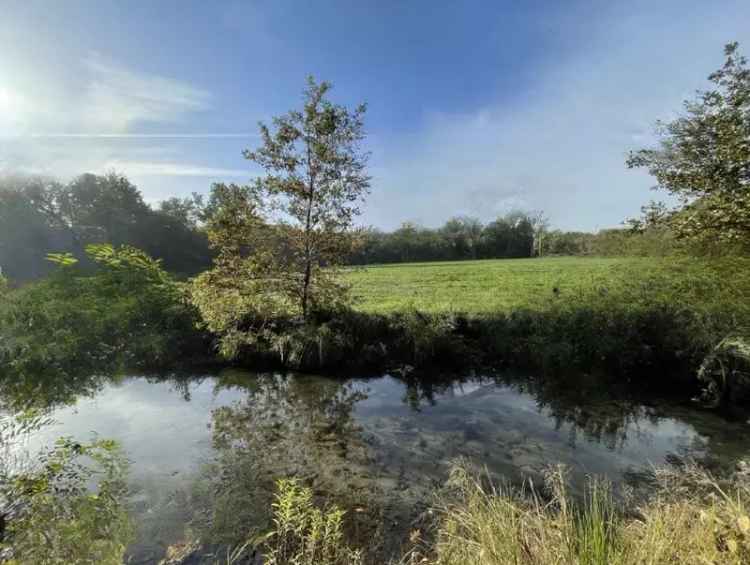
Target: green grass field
483,286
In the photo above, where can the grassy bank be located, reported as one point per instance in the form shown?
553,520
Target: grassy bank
633,317
688,516
648,318
484,287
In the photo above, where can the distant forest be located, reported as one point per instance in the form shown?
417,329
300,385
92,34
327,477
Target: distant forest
517,234
40,216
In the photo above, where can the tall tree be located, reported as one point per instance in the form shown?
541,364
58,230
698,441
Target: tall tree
540,223
41,215
703,157
106,208
463,234
315,176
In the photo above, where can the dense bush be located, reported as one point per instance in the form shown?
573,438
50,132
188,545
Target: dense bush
67,505
128,312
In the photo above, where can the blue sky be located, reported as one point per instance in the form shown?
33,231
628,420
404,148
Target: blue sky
474,107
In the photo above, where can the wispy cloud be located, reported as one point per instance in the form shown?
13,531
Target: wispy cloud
99,98
560,147
131,135
95,127
118,98
166,169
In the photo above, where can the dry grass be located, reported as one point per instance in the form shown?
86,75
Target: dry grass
692,518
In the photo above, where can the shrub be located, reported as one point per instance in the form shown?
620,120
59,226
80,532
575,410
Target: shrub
129,312
304,534
66,506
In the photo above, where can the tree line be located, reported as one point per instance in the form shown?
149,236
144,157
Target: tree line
41,215
315,174
517,234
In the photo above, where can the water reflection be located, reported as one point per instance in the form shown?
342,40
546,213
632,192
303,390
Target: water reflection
299,426
46,390
205,449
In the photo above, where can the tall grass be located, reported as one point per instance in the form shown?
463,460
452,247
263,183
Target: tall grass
302,533
684,516
690,518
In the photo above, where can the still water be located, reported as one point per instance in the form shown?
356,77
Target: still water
205,449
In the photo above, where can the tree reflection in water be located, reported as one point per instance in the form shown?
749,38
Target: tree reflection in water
303,427
378,448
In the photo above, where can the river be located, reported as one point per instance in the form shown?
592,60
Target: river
204,449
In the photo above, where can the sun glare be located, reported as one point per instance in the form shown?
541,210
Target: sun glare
4,100
9,106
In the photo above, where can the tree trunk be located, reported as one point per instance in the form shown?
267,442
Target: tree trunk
308,237
306,287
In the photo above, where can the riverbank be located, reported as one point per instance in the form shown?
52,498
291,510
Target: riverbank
649,320
687,516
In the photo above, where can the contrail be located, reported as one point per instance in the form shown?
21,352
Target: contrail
131,135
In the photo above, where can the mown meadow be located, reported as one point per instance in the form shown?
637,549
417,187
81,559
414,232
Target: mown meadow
496,285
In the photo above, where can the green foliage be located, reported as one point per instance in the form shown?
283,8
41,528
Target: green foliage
631,316
128,312
315,175
426,336
39,215
266,275
57,518
517,234
305,534
243,294
725,372
62,259
634,316
703,158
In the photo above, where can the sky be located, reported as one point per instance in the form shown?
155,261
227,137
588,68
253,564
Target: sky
474,108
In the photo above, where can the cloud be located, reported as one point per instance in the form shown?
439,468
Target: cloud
99,97
561,145
145,168
118,98
91,125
